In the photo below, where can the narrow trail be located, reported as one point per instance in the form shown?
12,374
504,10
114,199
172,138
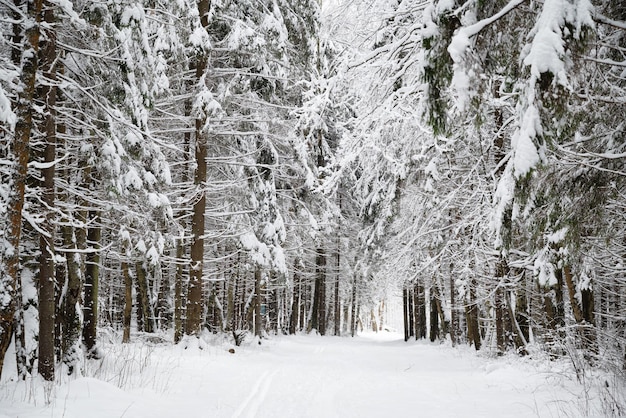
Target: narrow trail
310,376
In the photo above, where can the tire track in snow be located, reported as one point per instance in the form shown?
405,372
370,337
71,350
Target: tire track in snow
251,404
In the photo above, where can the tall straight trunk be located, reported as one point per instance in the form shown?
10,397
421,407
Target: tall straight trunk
145,316
420,311
522,309
239,296
434,315
23,367
411,311
417,321
128,301
337,305
453,312
162,309
304,300
74,238
258,300
499,320
195,289
92,272
473,330
405,310
318,315
295,304
499,305
230,302
346,318
179,306
9,258
353,316
72,318
337,277
273,311
47,276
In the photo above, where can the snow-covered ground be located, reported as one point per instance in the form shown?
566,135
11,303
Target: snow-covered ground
375,375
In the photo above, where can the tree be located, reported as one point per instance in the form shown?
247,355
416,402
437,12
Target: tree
27,36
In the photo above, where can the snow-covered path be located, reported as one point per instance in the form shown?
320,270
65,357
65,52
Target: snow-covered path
304,376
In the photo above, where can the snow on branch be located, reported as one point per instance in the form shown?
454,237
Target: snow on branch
460,83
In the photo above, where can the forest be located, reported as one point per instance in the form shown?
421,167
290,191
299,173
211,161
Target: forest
257,167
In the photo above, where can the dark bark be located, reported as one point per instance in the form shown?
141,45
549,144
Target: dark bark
47,271
453,312
473,329
258,301
9,275
72,324
128,302
145,316
337,314
411,311
179,306
405,309
353,315
583,312
230,303
295,304
420,311
318,315
434,320
195,292
92,272
499,304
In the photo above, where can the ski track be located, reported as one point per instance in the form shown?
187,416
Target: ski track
250,406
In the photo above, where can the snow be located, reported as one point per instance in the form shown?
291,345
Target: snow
373,375
557,236
461,79
526,156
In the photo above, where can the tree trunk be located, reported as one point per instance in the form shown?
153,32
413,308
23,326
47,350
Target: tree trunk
411,311
258,301
295,304
499,305
179,306
47,276
337,277
453,312
405,310
583,311
420,310
9,275
354,307
92,271
318,315
499,320
473,329
145,316
230,304
72,324
128,301
434,315
337,310
195,291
